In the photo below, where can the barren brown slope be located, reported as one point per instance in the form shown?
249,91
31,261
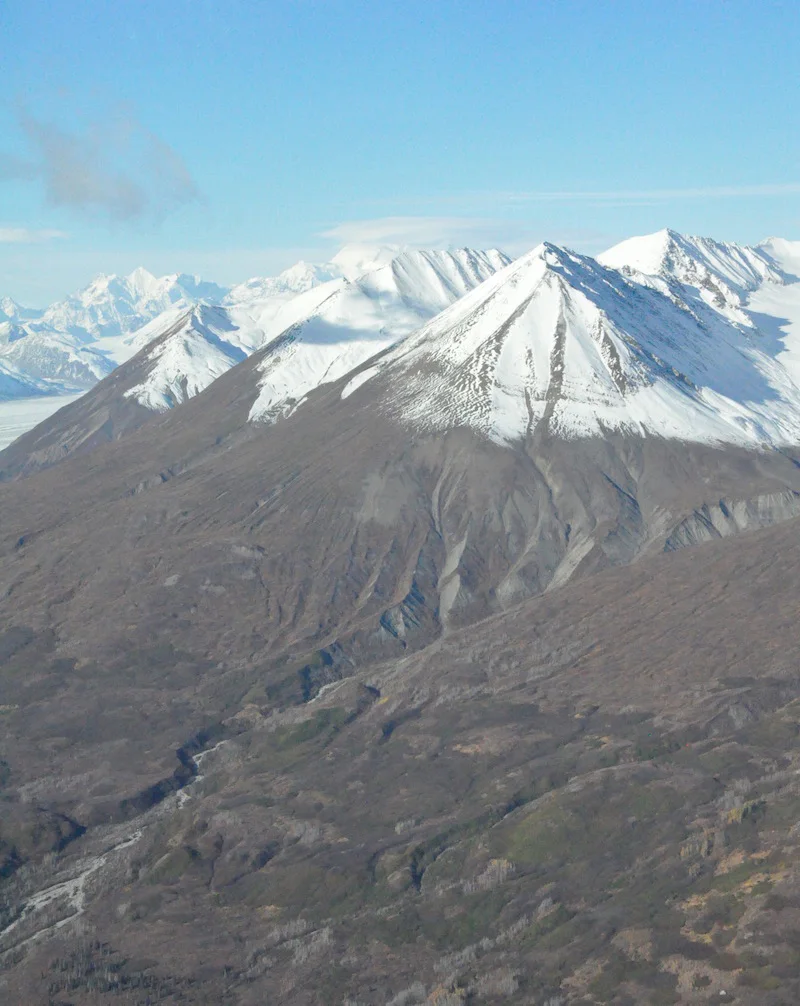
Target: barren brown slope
204,580
591,797
339,529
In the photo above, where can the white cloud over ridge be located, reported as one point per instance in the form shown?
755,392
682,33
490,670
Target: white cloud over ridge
655,195
29,235
511,236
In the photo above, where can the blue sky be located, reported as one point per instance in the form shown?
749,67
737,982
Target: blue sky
231,139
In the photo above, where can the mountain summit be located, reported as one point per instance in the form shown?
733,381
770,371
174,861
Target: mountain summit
559,341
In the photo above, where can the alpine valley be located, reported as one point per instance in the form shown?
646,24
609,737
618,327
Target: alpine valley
416,628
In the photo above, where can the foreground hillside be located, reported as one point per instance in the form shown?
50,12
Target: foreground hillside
590,798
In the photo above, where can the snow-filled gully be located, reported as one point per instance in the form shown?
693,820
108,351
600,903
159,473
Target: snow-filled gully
72,892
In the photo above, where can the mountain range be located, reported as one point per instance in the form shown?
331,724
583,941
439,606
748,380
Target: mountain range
678,336
417,628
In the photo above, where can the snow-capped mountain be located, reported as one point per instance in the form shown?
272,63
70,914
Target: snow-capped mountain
307,329
118,305
10,310
560,342
668,335
296,340
190,349
51,357
76,342
696,261
323,334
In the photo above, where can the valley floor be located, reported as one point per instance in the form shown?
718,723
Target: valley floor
21,414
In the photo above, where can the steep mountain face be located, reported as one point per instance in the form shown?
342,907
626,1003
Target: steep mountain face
368,535
252,701
559,342
756,288
338,326
183,352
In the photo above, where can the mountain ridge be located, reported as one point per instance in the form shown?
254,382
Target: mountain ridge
665,334
560,339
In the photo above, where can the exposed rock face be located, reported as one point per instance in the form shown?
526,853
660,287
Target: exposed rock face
727,517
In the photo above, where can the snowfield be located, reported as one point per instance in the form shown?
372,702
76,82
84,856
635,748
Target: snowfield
702,347
665,334
19,415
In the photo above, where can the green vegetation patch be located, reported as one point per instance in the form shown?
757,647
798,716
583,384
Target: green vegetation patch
621,970
174,865
325,722
570,827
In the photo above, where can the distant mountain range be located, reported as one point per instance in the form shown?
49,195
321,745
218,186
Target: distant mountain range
681,336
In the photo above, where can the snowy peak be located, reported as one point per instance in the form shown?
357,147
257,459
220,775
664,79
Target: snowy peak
183,352
559,343
10,310
141,282
112,305
49,357
329,330
694,261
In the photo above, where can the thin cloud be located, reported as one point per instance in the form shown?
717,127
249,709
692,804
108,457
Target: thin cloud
115,168
512,236
408,230
28,235
631,196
